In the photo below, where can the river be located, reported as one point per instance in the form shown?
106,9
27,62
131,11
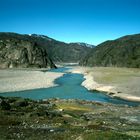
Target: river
69,87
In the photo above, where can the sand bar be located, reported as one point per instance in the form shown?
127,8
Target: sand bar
18,80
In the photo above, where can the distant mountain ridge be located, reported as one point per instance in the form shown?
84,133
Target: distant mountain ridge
122,52
85,44
61,51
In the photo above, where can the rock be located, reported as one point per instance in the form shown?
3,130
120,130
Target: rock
21,103
17,52
37,51
60,109
51,130
4,105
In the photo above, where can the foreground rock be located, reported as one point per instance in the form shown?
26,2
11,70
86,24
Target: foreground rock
67,120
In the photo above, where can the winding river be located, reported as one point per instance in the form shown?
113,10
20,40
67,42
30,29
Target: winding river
69,88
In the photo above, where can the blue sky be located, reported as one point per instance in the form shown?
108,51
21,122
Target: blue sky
90,21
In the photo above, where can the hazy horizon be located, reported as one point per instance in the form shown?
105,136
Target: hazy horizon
88,21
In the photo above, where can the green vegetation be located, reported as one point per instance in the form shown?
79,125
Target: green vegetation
56,119
123,52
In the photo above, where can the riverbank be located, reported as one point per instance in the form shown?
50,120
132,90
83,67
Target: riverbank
116,82
26,79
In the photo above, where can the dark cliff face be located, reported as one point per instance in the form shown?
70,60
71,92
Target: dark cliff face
123,52
22,53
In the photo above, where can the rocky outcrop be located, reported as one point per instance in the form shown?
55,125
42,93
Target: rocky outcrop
23,53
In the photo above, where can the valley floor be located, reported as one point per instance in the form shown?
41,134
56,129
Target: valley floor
57,119
25,79
117,82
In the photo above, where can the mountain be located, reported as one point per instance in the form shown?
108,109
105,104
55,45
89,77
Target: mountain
61,51
86,45
17,51
56,50
122,52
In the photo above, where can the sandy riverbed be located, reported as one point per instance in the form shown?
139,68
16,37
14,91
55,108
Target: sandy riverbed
18,80
116,82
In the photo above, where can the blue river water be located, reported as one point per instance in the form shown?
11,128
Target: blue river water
69,88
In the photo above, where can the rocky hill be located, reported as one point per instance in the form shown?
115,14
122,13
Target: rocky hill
56,50
34,50
122,52
18,52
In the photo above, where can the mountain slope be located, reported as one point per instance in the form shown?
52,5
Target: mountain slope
122,52
57,51
19,52
60,51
